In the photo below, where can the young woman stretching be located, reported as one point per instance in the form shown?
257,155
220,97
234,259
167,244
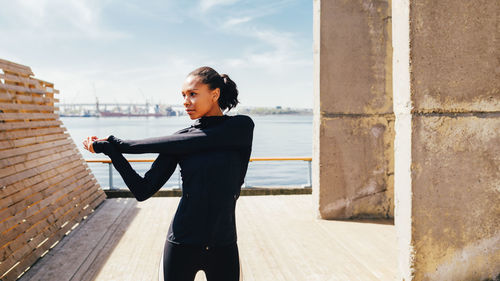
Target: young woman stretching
213,156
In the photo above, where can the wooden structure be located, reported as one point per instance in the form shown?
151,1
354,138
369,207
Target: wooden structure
46,187
279,238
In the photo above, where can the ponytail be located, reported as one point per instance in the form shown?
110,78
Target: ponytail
228,91
229,95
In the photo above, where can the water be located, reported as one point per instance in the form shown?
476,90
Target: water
274,136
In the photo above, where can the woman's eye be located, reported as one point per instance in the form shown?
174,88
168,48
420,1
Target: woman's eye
192,94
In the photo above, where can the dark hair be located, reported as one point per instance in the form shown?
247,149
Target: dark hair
228,91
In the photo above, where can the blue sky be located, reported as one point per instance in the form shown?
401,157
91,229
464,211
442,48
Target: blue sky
123,51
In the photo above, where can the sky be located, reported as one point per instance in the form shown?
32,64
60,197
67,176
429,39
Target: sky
129,51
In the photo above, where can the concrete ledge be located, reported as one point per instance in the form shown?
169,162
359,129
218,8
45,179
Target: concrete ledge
247,191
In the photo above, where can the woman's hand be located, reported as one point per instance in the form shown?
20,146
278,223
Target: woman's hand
87,143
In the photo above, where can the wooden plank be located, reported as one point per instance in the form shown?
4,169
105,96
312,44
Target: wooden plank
39,182
26,207
15,67
152,245
6,96
19,159
41,251
13,64
25,187
31,194
294,236
48,88
31,190
20,268
25,171
29,260
22,89
23,240
13,226
98,231
35,140
18,79
21,116
107,231
9,135
65,213
34,224
23,106
133,242
30,148
53,194
15,170
14,250
37,85
29,125
26,98
9,183
43,82
268,254
26,183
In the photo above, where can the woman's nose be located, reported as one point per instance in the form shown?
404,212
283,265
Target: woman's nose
186,101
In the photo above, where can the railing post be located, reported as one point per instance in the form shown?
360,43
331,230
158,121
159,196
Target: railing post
110,175
179,180
310,173
244,181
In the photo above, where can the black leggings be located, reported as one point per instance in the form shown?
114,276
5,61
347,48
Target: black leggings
182,262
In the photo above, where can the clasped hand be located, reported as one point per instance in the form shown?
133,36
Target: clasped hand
87,143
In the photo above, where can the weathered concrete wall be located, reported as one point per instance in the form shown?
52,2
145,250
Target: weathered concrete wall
353,117
456,197
447,147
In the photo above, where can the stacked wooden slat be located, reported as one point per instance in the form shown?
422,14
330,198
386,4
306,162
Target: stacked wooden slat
46,187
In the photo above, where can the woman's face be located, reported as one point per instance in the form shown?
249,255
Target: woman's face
199,100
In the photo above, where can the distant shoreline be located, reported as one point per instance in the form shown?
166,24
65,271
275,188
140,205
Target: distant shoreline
250,113
275,111
278,110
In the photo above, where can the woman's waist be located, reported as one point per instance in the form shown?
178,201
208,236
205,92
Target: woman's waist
210,192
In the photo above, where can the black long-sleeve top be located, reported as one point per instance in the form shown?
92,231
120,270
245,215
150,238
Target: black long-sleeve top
213,156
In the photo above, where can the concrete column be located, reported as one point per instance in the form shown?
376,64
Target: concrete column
353,117
447,142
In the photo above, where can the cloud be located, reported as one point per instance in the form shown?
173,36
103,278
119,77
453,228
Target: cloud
234,21
57,19
114,83
270,49
162,11
275,59
281,52
206,5
232,15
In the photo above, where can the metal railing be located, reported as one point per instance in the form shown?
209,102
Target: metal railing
110,166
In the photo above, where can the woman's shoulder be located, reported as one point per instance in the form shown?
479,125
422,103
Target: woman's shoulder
238,121
181,131
242,119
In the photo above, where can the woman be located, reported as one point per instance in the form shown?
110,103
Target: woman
213,156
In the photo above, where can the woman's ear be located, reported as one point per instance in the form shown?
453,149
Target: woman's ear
216,94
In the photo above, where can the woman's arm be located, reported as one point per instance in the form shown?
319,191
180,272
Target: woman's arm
235,132
141,187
